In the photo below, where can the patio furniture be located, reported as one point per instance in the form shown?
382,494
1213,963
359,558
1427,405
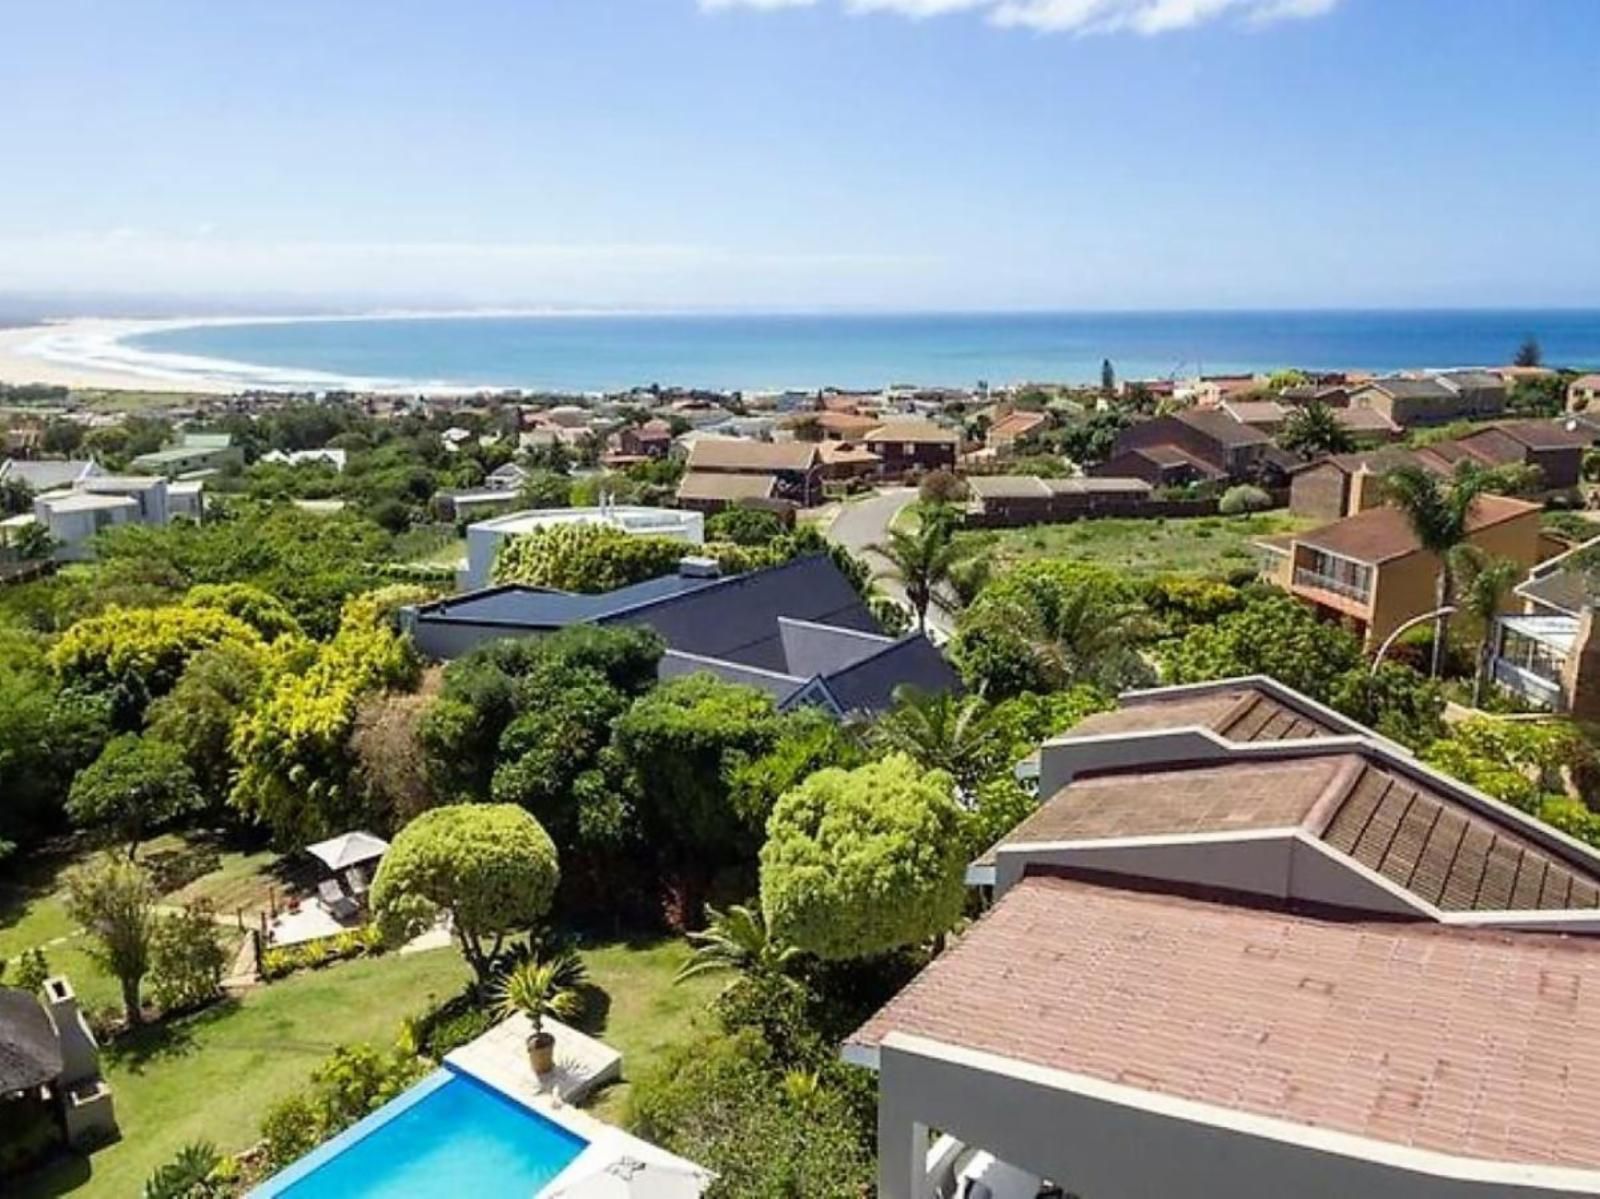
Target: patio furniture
356,879
339,905
631,1177
348,849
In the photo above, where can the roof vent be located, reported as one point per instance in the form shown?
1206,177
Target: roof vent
693,567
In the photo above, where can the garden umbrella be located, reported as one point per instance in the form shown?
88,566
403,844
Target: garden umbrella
348,849
631,1177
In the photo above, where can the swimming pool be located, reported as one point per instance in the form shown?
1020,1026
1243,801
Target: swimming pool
448,1136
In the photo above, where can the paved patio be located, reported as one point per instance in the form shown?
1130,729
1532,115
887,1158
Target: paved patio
500,1057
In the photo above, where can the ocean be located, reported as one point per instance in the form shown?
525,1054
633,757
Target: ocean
769,352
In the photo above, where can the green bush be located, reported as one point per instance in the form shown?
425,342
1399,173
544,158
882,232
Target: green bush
187,959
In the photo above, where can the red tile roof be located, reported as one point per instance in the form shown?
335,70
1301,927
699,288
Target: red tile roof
1380,534
1242,713
1473,1043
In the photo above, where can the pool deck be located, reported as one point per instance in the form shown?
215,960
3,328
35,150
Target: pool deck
500,1058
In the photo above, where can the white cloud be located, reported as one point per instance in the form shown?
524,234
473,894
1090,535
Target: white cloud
1145,17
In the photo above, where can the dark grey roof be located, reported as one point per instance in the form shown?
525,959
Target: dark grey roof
514,604
869,685
30,1052
810,648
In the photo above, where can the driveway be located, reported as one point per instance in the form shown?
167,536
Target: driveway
866,523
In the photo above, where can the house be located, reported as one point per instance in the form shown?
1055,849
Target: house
1583,393
1551,447
1369,569
1245,946
194,452
1012,500
47,474
485,538
795,466
1334,395
1193,446
838,426
50,1066
798,631
907,447
703,491
1266,415
1016,431
1410,400
652,439
846,461
1549,654
23,441
1366,426
1341,485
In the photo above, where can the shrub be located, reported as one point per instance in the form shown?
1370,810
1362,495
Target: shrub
1244,498
32,969
744,526
187,959
191,1174
860,862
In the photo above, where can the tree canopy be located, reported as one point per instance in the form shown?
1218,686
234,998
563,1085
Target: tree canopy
860,862
490,866
135,784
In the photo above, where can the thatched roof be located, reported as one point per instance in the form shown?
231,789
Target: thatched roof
30,1053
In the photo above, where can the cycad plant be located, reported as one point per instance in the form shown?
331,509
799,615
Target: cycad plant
542,989
737,941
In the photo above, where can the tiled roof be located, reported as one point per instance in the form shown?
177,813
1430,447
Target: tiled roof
913,431
1381,534
756,457
1566,581
1549,435
1240,714
1413,389
1447,855
1221,427
702,485
1474,1043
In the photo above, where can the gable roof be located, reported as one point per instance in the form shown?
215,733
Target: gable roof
1564,582
1221,428
1402,387
914,431
1415,1035
30,1051
1241,710
700,485
44,474
757,457
1382,534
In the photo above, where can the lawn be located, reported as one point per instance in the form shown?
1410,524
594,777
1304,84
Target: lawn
210,1076
1203,545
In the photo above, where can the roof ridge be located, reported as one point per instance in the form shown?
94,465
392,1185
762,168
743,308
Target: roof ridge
1339,789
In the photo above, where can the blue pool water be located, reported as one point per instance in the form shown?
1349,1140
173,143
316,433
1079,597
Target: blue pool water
447,1137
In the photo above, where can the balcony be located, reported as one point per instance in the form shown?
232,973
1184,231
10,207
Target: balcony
1315,580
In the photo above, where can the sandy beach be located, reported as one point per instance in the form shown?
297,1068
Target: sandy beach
85,353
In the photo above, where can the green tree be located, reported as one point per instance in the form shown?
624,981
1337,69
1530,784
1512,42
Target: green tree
135,784
1398,702
198,715
861,862
744,526
1439,513
1273,635
115,903
491,867
1529,353
1486,583
542,990
957,734
920,560
1522,763
1312,430
546,489
47,735
684,744
1245,498
1108,377
1051,624
187,958
588,558
266,614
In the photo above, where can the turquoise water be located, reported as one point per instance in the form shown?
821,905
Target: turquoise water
591,353
447,1138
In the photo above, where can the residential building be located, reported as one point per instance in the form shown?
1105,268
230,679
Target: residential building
703,491
1583,393
1193,446
48,474
1245,946
1011,500
795,466
1016,431
652,439
1549,654
798,631
194,452
910,447
1341,485
847,461
1266,416
1370,571
1410,400
322,457
73,516
49,1060
1366,426
485,538
838,426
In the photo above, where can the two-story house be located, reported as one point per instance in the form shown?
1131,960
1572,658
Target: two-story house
906,447
1197,445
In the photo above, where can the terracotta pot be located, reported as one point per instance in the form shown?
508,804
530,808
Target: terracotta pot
542,1052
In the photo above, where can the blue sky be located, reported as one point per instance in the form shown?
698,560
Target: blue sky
806,153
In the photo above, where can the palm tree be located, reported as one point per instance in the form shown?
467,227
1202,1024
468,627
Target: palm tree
737,941
1439,512
1080,635
1487,581
1315,429
550,988
954,733
921,561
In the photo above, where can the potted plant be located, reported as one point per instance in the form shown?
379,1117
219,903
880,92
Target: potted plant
540,989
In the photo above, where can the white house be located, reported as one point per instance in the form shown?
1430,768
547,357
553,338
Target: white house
484,538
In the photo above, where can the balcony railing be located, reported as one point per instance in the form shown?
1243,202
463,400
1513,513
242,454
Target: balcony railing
1304,577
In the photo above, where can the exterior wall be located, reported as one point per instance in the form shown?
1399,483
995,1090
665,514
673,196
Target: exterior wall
1320,491
1580,677
903,457
1102,1142
1562,468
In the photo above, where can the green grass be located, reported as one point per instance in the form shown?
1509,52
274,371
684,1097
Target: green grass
210,1077
1205,545
648,1014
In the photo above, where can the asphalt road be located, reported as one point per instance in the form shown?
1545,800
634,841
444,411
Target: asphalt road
864,524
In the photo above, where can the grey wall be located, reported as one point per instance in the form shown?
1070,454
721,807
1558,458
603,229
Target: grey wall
1099,1149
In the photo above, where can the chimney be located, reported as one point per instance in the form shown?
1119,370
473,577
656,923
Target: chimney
695,567
80,1055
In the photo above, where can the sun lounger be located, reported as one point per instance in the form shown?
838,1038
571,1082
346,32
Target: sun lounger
339,905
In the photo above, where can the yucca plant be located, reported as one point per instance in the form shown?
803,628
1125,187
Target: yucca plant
542,989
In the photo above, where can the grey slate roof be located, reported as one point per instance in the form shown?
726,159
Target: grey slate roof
30,1051
45,474
793,628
